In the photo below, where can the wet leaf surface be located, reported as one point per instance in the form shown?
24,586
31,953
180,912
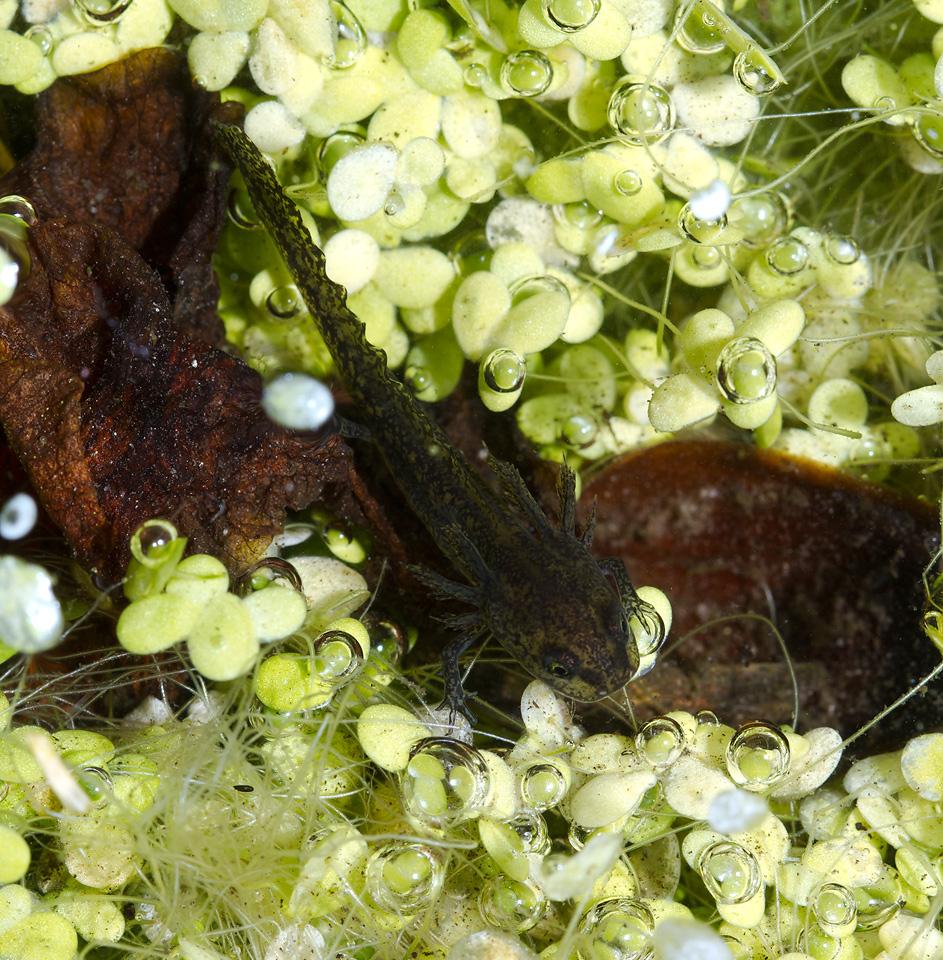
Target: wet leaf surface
836,564
129,148
118,418
113,392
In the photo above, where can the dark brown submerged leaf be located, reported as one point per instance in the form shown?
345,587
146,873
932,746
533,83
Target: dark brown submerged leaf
111,146
117,418
113,393
129,148
727,532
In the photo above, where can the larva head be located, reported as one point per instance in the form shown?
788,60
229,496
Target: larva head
567,624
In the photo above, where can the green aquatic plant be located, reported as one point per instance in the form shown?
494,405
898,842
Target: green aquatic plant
320,805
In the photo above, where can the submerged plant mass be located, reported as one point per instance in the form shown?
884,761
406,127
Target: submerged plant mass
635,219
321,809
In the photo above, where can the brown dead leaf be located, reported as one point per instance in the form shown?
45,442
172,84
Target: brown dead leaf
117,418
113,394
129,148
728,531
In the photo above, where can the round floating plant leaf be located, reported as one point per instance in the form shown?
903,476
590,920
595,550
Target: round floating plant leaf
223,643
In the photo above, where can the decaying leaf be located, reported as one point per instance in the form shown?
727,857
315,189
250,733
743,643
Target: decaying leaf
118,418
129,148
726,531
113,393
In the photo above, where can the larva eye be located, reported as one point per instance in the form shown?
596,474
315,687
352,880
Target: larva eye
555,668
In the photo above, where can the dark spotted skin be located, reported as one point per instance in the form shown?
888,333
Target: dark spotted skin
536,589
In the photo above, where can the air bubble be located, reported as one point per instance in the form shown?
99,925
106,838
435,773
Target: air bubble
13,205
885,104
578,836
284,303
581,214
446,782
338,657
700,28
640,112
18,516
344,545
816,943
761,218
41,35
842,250
698,230
528,287
928,132
511,905
240,211
503,370
571,16
617,929
787,256
394,204
757,755
647,629
15,260
96,783
869,459
660,741
579,431
628,182
297,401
834,907
730,872
471,253
878,902
387,642
543,786
706,258
403,876
259,574
350,41
527,73
335,148
149,540
475,74
30,618
101,13
746,371
418,379
755,72
532,829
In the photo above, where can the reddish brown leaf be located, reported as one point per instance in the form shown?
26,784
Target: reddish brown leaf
129,147
117,418
727,530
112,392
